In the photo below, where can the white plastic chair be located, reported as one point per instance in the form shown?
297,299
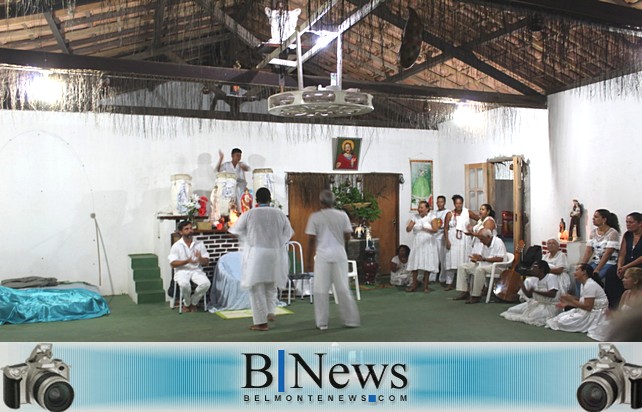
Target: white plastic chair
352,274
496,272
296,269
172,301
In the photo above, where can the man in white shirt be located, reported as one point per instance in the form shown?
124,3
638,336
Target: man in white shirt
480,265
264,232
187,258
238,168
328,230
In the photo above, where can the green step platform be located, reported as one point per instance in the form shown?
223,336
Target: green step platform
148,284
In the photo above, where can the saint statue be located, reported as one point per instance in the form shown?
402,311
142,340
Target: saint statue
246,201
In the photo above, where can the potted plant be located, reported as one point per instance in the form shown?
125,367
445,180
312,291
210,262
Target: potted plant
360,205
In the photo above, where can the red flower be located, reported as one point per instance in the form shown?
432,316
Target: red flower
202,201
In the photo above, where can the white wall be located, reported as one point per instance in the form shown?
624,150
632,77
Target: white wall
596,149
58,168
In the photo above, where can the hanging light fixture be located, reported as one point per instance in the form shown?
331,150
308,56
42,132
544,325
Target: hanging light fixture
319,101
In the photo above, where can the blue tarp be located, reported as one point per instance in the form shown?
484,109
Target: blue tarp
49,305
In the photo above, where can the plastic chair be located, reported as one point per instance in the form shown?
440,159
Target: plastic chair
172,301
296,269
352,274
497,271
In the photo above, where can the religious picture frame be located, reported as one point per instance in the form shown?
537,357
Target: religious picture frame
421,182
346,153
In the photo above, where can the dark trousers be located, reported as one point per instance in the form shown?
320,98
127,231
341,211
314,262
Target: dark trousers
613,287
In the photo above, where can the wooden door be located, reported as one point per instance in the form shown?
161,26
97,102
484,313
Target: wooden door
385,187
303,200
476,179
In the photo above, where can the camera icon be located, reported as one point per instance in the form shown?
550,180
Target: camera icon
608,379
41,379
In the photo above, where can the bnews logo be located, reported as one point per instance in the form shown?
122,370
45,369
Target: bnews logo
294,373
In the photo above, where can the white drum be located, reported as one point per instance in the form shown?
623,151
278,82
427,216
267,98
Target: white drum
181,191
263,178
223,194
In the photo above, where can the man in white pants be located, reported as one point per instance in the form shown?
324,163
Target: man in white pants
480,265
264,232
328,230
188,258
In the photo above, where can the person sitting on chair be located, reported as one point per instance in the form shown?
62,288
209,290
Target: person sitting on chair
187,258
480,265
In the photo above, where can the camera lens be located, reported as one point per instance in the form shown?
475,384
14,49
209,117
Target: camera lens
597,392
53,392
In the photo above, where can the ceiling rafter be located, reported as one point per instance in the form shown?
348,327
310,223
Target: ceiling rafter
204,41
431,62
588,10
232,25
56,32
465,56
159,14
249,77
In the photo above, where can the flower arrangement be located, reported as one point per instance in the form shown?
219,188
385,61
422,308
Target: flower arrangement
195,206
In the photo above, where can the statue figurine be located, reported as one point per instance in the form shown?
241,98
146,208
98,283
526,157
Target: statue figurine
563,233
282,22
576,214
246,201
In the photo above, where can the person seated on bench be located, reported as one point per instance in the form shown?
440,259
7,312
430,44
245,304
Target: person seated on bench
187,258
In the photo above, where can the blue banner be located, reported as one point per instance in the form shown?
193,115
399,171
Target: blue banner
338,376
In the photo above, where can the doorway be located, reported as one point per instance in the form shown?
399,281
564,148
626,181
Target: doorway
501,182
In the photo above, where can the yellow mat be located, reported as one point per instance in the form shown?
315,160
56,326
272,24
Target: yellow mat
247,313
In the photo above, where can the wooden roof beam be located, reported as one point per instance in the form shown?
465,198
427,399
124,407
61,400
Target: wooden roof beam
159,14
465,56
56,32
148,54
588,10
173,71
232,25
432,62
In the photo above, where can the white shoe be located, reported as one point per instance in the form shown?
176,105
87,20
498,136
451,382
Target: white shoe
324,327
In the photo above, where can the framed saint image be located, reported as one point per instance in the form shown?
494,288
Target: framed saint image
421,182
346,153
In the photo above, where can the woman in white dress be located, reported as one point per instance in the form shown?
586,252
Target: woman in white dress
541,298
399,273
558,262
485,220
589,310
457,247
632,296
424,255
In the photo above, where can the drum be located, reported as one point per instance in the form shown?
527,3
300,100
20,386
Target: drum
223,194
263,178
181,190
